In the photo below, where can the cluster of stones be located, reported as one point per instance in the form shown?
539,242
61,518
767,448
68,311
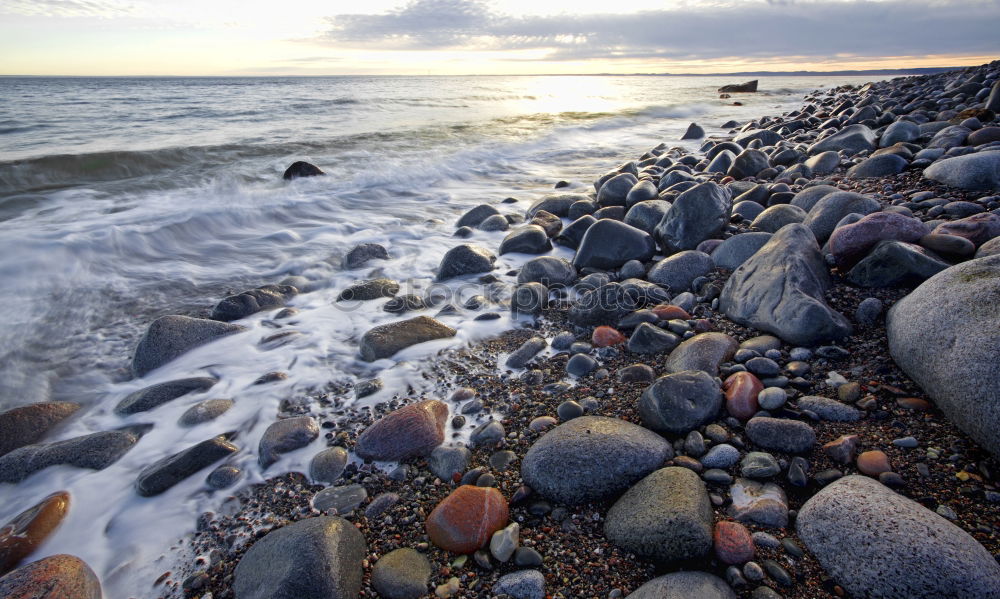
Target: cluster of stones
725,427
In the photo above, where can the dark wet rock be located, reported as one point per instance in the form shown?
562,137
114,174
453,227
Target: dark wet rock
204,411
95,451
972,171
411,431
646,215
678,271
747,164
284,436
402,304
824,216
694,131
781,288
529,239
733,88
952,354
643,191
29,424
557,204
808,197
529,298
650,339
876,543
852,139
301,168
665,517
776,217
882,165
896,264
477,215
698,214
315,558
520,357
327,465
615,189
781,434
572,234
369,290
25,532
679,403
608,244
385,340
704,352
340,500
250,302
363,253
684,585
159,394
401,574
496,222
170,336
163,474
549,222
55,577
736,250
223,477
465,259
549,271
592,458
606,304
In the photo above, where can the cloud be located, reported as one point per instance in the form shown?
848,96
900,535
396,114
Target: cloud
67,8
816,29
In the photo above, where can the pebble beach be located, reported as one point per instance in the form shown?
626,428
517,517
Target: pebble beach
758,365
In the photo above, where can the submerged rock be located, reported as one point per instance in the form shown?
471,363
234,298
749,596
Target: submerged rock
301,168
154,396
250,302
286,435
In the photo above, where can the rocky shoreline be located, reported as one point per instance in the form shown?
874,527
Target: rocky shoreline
767,372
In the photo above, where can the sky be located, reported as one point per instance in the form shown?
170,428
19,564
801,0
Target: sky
448,37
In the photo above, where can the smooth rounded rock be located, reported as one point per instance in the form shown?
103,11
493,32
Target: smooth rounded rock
466,519
171,336
684,585
29,424
401,574
26,531
680,402
286,435
55,577
781,434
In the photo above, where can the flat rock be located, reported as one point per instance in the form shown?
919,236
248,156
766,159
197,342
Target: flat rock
466,519
55,577
698,214
680,402
877,543
29,424
592,458
154,396
401,574
26,531
781,434
946,335
705,352
684,585
781,288
385,340
170,336
650,339
758,503
829,409
163,474
315,558
286,435
409,432
665,517
95,451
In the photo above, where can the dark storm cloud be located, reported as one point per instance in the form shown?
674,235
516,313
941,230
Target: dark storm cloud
747,29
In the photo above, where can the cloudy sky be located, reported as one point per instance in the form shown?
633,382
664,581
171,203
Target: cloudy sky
332,37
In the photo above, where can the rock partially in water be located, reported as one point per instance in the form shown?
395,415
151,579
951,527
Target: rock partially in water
362,254
171,336
95,451
370,289
160,476
250,302
327,465
154,396
210,409
301,168
26,531
315,558
286,435
465,259
29,424
385,340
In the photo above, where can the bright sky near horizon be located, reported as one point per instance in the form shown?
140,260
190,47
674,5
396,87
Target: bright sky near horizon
334,37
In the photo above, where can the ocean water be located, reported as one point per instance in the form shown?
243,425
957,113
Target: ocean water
125,199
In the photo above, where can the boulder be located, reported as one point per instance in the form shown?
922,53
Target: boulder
300,168
736,250
549,271
286,435
665,517
681,402
684,585
698,214
609,244
823,163
780,289
693,132
734,88
765,136
466,519
401,574
852,139
615,189
850,243
643,191
704,352
646,215
899,131
808,197
154,396
678,271
26,531
409,432
978,228
363,253
557,204
747,164
950,137
824,216
250,302
882,165
776,217
592,458
465,259
980,170
529,239
95,451
475,216
29,424
368,290
385,340
163,474
946,335
604,305
877,543
315,558
170,336
55,577
896,264
572,234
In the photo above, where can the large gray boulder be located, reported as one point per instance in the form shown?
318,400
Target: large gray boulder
608,244
678,271
385,340
170,336
949,137
946,336
464,260
780,290
529,239
591,458
896,264
734,251
972,171
698,214
747,164
808,197
878,544
665,517
681,402
851,139
776,217
315,558
646,215
615,190
882,165
684,585
823,217
905,131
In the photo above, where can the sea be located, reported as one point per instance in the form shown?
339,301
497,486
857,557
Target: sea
126,199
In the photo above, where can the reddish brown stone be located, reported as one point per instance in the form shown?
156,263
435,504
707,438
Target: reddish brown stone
873,463
733,543
465,520
408,432
842,449
606,337
54,577
670,312
913,403
741,394
23,534
29,424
